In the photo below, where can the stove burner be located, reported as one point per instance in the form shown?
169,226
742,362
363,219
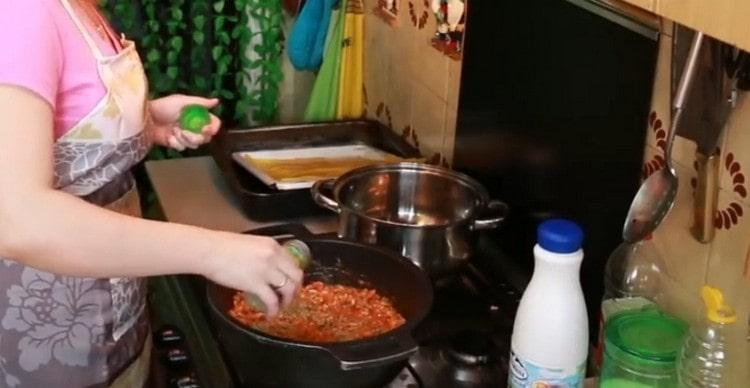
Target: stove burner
466,361
470,348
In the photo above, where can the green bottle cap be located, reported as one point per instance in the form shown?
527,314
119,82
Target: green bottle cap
194,117
645,338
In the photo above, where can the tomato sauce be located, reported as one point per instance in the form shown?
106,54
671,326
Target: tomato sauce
324,313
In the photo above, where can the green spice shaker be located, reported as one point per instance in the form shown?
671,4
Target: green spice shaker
302,256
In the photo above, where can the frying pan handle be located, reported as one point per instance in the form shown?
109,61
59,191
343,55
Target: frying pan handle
499,210
321,191
373,354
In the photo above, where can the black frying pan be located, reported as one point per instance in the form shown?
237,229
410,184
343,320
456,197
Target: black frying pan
267,361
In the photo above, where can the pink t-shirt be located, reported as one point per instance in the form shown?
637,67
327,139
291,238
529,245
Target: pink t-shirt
42,50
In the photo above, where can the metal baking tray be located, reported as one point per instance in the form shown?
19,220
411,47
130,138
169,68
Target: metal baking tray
261,201
260,163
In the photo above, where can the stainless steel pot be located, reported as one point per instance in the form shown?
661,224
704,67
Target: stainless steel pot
426,213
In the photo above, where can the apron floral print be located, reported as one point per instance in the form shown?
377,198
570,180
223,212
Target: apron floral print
82,332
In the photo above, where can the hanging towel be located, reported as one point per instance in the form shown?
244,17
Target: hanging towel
324,97
306,42
351,104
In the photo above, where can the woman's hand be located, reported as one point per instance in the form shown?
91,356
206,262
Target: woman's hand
255,264
165,113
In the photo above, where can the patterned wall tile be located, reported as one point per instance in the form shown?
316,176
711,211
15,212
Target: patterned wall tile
407,82
375,65
727,268
428,66
691,263
659,120
686,258
653,161
428,123
736,151
402,90
388,11
729,252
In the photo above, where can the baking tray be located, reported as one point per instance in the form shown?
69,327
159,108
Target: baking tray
251,161
261,202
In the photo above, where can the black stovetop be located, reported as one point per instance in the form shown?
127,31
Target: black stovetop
464,341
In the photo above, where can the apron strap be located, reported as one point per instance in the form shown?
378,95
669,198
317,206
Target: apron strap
84,31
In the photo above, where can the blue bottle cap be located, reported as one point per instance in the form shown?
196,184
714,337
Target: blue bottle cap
559,236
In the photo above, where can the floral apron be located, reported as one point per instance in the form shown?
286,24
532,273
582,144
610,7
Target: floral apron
62,331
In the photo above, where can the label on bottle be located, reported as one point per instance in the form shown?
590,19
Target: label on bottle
525,374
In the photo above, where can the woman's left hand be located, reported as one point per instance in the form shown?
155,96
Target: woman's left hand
165,113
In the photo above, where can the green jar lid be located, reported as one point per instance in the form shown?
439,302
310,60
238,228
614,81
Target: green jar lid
646,338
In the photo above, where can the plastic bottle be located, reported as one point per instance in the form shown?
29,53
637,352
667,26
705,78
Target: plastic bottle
549,345
704,355
633,278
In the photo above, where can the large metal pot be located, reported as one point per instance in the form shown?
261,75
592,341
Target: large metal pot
269,361
427,213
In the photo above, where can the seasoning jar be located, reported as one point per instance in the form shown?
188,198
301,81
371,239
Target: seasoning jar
302,257
641,349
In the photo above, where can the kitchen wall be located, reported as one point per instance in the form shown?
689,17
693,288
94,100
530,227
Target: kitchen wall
409,85
724,262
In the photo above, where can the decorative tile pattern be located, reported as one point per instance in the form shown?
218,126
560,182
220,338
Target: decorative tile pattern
661,98
723,262
653,161
686,258
728,255
737,149
728,216
407,83
418,17
388,11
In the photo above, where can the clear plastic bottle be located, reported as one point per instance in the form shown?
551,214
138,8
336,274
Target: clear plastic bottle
633,279
704,355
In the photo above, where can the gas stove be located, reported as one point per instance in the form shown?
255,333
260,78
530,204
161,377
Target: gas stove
463,342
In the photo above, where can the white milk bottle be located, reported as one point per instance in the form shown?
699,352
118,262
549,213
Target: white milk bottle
549,345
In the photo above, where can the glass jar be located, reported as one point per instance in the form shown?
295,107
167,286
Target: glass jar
640,350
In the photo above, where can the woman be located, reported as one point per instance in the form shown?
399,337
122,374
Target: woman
74,119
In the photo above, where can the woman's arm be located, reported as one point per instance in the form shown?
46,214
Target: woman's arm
55,231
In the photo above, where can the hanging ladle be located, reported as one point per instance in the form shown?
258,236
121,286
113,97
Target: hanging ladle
656,196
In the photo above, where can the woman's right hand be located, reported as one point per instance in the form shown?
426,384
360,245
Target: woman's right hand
254,264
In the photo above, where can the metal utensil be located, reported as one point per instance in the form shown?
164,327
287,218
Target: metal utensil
656,196
707,110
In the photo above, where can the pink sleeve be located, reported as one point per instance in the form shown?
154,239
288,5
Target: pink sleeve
30,49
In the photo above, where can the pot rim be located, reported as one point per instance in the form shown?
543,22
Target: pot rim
469,182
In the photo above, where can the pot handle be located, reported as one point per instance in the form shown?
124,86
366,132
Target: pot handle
373,354
500,211
319,190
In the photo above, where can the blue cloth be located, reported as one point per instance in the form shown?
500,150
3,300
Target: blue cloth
307,40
